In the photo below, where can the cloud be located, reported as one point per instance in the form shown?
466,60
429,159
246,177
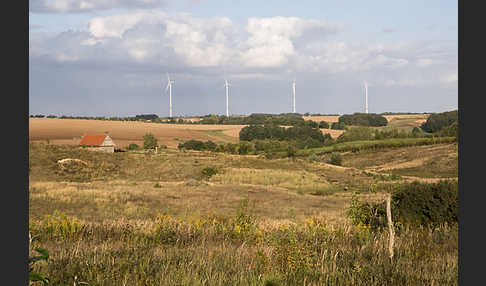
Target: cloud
266,48
272,40
80,6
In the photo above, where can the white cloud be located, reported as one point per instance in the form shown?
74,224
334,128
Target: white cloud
269,48
272,40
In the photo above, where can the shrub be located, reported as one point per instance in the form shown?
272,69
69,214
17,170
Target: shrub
133,146
338,126
450,130
412,204
419,203
336,159
324,124
245,148
355,134
210,145
198,145
208,172
149,141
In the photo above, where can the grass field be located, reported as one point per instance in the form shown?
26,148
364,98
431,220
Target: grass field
140,218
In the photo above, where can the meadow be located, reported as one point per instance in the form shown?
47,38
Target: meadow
146,218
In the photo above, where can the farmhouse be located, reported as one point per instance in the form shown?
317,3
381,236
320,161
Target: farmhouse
98,142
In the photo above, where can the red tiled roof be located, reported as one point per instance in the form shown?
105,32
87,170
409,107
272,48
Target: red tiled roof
92,139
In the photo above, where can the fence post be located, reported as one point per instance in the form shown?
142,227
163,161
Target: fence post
390,226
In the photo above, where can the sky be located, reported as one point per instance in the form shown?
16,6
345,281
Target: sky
111,57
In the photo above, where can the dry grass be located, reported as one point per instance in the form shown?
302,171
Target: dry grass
327,118
141,201
292,180
429,161
113,234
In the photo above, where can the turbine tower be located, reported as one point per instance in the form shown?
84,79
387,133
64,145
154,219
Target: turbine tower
169,87
366,96
226,85
293,91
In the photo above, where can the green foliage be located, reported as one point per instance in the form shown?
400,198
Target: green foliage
43,254
355,134
149,141
366,214
324,124
245,148
208,172
450,130
363,119
133,146
357,146
198,145
411,204
424,204
338,126
336,159
435,122
146,117
304,136
288,119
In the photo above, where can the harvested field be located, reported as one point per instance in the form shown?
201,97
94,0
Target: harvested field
69,131
327,118
333,132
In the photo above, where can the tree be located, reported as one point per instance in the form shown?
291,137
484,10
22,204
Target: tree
435,122
149,141
324,124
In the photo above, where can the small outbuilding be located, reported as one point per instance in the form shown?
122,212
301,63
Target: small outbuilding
98,142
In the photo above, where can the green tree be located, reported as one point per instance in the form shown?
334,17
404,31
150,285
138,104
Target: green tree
149,141
435,122
324,124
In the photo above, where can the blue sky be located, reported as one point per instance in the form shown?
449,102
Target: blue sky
109,58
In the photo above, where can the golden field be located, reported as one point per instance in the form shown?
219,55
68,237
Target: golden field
70,131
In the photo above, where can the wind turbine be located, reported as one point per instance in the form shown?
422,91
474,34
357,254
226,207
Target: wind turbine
169,87
293,91
366,96
226,85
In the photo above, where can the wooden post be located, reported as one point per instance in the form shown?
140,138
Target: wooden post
390,226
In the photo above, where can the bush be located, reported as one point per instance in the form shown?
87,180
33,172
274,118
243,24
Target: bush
412,204
324,124
210,145
450,130
338,126
418,203
192,145
208,172
245,148
336,159
133,146
356,133
149,141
